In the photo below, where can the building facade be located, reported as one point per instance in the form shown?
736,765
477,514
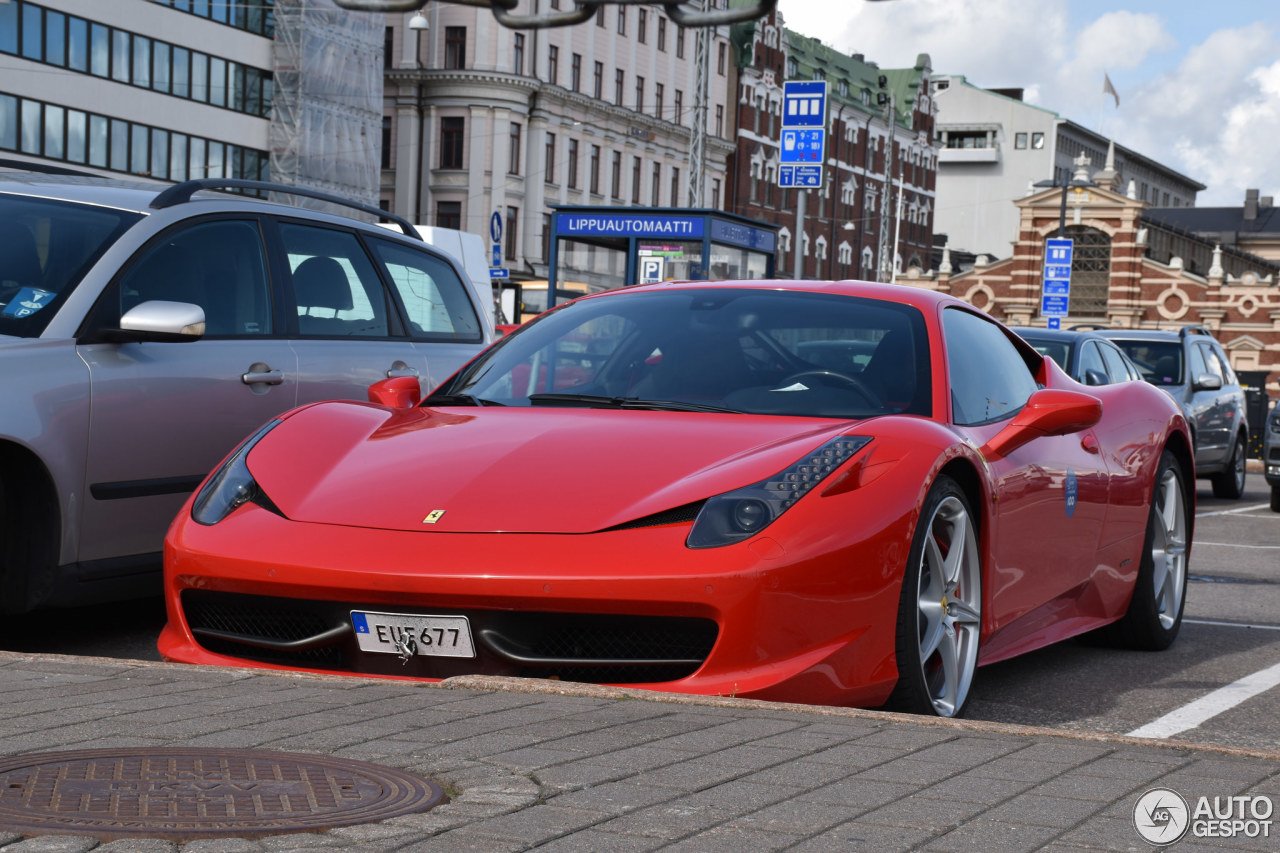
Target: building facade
994,147
880,134
481,119
1129,271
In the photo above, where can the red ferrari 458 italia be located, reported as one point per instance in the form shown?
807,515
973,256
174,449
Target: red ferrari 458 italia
834,493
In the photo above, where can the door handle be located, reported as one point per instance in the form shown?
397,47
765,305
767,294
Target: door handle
1090,443
399,368
262,374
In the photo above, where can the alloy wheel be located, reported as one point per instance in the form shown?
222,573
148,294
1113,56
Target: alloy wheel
1169,548
949,602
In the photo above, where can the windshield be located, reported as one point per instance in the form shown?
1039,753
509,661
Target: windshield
1159,362
46,248
711,349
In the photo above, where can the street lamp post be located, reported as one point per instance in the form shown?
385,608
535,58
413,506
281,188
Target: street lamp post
1073,183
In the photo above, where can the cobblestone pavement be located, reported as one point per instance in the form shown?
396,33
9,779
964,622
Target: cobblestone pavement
560,767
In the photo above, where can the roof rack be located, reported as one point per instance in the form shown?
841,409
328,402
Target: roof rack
502,9
1088,327
182,193
1194,330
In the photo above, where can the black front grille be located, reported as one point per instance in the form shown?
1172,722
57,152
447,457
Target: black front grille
598,648
678,515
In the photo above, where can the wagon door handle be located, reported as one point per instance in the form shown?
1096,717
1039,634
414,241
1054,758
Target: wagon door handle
401,369
262,374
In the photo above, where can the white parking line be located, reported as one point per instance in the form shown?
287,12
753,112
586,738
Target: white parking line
1238,509
1211,705
1230,624
1234,545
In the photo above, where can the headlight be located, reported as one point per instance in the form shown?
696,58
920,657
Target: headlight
231,485
742,513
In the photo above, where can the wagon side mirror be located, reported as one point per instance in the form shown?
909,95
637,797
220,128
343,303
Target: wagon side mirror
1051,411
398,392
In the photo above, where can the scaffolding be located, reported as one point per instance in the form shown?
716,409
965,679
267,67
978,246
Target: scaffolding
326,124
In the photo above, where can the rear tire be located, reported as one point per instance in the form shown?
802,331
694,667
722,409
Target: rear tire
940,607
1230,483
1275,498
1159,594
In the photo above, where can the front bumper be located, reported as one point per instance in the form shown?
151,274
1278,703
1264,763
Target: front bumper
813,621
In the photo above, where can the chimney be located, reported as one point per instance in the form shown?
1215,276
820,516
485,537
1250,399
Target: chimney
1250,205
1266,201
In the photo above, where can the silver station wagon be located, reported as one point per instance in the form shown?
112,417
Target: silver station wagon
145,330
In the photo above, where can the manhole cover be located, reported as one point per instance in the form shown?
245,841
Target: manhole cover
199,793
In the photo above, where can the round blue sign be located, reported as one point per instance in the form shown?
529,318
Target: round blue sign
495,227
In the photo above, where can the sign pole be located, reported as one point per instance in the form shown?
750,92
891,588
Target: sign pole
798,245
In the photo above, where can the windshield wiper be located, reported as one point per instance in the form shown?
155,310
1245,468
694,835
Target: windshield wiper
600,402
458,400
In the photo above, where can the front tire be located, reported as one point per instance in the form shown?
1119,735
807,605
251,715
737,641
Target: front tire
1155,612
1230,483
1275,498
940,608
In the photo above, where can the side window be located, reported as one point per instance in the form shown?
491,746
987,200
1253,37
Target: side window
435,299
1091,359
1196,365
1217,355
1116,366
218,265
989,378
335,287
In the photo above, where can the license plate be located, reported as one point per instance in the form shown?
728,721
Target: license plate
410,634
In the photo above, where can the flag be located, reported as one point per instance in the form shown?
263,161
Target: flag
1108,89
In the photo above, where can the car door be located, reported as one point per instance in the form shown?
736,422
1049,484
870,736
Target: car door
1049,497
352,330
164,414
1205,406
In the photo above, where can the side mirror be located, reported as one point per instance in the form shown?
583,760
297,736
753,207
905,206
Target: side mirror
1093,376
1051,411
398,392
161,321
1208,382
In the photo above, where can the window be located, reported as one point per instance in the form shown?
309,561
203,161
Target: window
575,73
658,90
455,47
573,164
513,227
679,107
513,160
715,194
386,142
1020,141
662,34
595,169
719,119
675,187
622,20
517,54
635,180
989,379
598,80
1090,271
449,214
618,77
720,58
639,94
434,297
600,17
1037,140
642,26
546,237
451,131
679,41
549,161
655,185
553,65
616,176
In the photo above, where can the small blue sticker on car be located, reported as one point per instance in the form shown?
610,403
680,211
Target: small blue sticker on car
28,301
360,622
1072,492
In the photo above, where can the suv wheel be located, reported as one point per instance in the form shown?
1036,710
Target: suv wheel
1275,498
1230,483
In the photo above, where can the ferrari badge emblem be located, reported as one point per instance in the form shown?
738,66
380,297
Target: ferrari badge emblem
433,516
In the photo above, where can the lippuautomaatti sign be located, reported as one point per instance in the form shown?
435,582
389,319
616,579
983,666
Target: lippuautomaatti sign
628,225
1164,817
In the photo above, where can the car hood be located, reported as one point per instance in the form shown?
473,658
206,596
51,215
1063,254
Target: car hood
531,470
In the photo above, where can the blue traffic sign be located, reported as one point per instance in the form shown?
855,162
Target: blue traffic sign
499,272
1055,322
799,176
495,227
497,255
804,103
802,145
1056,287
1054,306
1057,252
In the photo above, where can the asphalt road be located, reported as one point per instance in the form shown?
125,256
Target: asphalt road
1231,632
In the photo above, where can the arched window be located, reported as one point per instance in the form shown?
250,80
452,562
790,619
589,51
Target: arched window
1090,271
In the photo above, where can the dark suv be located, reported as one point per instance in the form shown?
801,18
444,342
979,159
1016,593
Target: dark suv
1271,456
1194,369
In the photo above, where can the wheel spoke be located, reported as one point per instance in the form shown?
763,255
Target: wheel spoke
956,554
963,612
933,563
949,652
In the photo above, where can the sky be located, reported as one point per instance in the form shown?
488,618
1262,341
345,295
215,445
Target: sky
1198,82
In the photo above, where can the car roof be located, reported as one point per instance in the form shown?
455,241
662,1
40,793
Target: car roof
1141,334
1065,335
